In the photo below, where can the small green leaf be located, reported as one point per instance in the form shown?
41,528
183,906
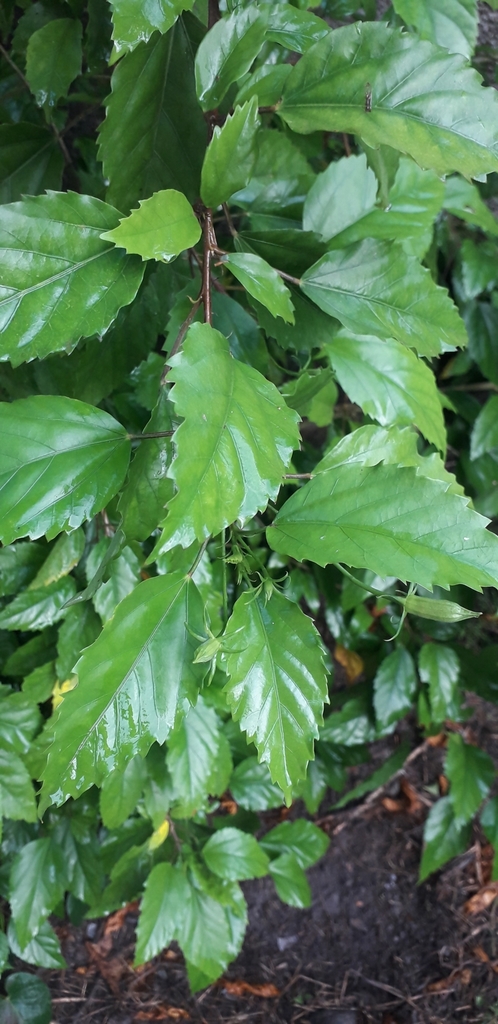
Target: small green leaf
463,199
234,855
266,82
290,881
424,101
146,642
301,838
478,267
341,196
17,795
251,786
471,774
20,720
350,726
39,684
42,951
400,300
439,666
394,687
35,609
120,793
53,60
134,23
443,837
231,155
29,998
19,564
63,557
61,462
211,934
196,752
390,520
227,52
389,382
148,488
53,261
485,431
295,29
30,161
160,229
277,684
242,434
37,883
79,629
162,911
124,575
262,282
449,23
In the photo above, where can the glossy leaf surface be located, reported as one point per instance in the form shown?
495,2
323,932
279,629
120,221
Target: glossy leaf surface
293,28
53,59
60,281
35,609
28,1000
61,462
374,287
439,666
449,23
471,774
277,684
242,435
197,755
390,520
301,838
263,282
30,161
17,795
485,433
290,881
425,102
227,52
134,23
148,488
443,837
160,229
235,855
162,910
37,882
231,155
394,687
135,682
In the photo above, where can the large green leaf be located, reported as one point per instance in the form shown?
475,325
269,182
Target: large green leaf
449,23
53,59
30,161
35,609
227,52
37,883
391,520
149,140
340,196
471,773
439,666
162,911
242,435
148,488
17,796
425,101
211,934
443,837
234,855
231,155
197,753
262,282
277,684
162,227
389,382
60,281
374,287
394,687
61,461
135,682
134,22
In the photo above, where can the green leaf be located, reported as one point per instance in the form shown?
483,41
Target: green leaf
311,329
234,855
478,267
290,881
39,684
241,432
211,935
390,520
28,998
43,950
121,681
120,793
148,488
277,682
124,575
53,60
195,754
251,786
20,719
262,282
162,912
19,564
35,609
471,774
340,197
61,462
394,687
160,229
378,778
439,666
389,382
17,795
463,199
244,337
484,436
231,155
63,557
30,161
4,951
37,651
449,23
350,726
443,837
149,140
53,261
79,629
295,29
282,177
37,883
266,82
400,300
425,102
489,824
227,52
302,838
481,321
134,23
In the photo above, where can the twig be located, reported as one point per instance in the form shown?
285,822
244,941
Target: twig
288,277
178,342
231,227
210,247
154,433
347,147
298,476
389,988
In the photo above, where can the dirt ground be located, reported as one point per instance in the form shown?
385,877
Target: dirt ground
374,948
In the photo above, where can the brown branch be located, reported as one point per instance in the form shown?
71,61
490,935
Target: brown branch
210,247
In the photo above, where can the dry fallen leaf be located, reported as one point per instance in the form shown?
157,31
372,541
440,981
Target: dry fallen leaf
463,977
436,741
409,803
351,661
443,785
244,988
480,954
163,1013
482,899
228,805
112,970
116,921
